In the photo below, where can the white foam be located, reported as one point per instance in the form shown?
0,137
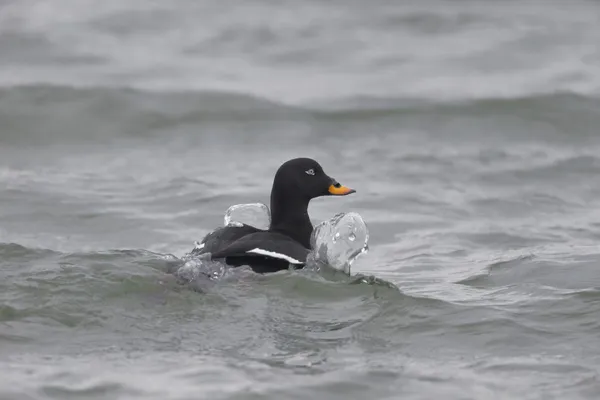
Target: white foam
273,254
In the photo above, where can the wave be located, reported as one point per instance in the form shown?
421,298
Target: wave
124,297
47,114
230,104
115,273
51,114
209,101
14,251
64,111
359,107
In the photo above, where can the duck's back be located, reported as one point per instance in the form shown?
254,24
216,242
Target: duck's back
223,237
263,251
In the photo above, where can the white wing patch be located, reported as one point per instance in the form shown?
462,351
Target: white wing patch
273,254
198,245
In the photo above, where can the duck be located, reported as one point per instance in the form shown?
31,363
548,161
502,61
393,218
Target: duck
286,243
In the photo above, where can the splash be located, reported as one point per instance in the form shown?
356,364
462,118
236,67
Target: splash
200,268
339,241
255,214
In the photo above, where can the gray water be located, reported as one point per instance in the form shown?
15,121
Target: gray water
470,130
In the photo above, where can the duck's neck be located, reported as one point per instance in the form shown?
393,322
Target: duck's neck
289,215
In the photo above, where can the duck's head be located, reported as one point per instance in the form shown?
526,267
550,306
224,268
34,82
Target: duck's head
304,178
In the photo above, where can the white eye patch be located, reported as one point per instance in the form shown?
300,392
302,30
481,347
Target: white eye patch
310,171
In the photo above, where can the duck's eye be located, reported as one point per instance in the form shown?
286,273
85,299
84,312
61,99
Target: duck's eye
310,171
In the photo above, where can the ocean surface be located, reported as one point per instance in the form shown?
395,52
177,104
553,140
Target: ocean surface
470,130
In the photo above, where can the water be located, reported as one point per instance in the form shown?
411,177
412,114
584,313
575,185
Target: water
469,130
